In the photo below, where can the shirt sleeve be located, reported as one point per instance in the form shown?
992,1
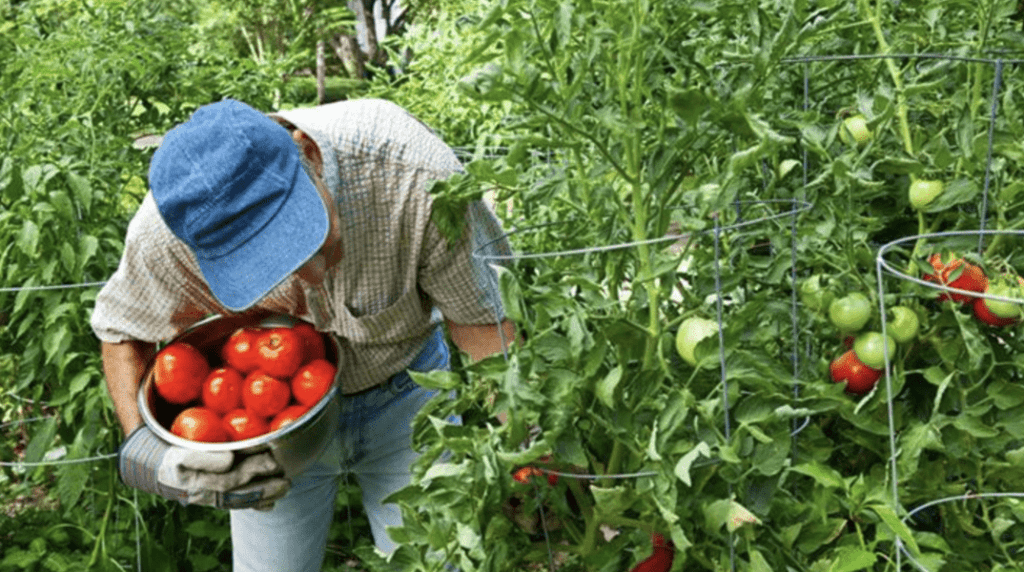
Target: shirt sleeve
459,277
156,291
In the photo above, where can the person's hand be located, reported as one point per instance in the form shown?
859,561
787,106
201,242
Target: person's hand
219,479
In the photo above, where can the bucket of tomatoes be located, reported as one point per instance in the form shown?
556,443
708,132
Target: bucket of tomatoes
231,384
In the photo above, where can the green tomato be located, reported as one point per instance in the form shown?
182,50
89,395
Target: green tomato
1000,308
854,131
850,313
870,348
922,192
904,325
690,333
814,294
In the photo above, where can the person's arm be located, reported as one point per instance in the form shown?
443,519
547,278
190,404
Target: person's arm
484,340
124,364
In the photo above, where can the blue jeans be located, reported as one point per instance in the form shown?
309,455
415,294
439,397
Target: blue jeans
373,443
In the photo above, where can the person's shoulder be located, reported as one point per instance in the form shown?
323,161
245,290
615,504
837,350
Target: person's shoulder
147,231
362,110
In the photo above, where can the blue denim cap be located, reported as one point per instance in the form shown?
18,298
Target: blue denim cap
229,183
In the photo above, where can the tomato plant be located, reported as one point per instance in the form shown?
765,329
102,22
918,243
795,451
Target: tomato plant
584,128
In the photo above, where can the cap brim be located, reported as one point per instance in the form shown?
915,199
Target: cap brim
241,278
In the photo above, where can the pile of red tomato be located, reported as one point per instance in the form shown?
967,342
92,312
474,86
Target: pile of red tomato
863,363
265,379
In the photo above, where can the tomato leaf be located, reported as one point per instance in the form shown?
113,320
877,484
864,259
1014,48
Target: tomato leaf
71,482
605,388
823,475
42,440
956,192
891,520
849,559
28,238
685,463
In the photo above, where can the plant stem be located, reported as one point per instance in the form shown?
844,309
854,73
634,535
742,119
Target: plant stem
884,49
101,537
922,228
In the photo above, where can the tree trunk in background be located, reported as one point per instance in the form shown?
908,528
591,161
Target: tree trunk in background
365,18
321,73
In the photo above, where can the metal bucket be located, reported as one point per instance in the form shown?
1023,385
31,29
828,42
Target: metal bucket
295,446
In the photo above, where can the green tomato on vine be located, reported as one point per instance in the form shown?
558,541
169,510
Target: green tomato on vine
690,333
854,131
850,313
814,294
904,324
871,348
923,191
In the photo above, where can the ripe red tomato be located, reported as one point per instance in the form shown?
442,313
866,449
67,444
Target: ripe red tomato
279,352
312,342
312,381
524,474
240,424
199,424
970,277
240,350
660,559
859,378
178,373
222,390
288,416
264,395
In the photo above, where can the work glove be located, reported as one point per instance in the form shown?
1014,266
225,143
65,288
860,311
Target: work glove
219,479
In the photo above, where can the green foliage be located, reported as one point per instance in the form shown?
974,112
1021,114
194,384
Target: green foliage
435,44
677,144
630,121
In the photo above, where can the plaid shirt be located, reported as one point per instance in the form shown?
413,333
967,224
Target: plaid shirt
397,276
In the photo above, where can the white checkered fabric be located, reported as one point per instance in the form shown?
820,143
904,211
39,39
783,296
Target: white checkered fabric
396,279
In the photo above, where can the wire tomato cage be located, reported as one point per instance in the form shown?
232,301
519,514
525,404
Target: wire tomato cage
53,457
493,253
907,271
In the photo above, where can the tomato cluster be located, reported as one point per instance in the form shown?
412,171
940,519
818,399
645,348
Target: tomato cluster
265,378
962,275
862,364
